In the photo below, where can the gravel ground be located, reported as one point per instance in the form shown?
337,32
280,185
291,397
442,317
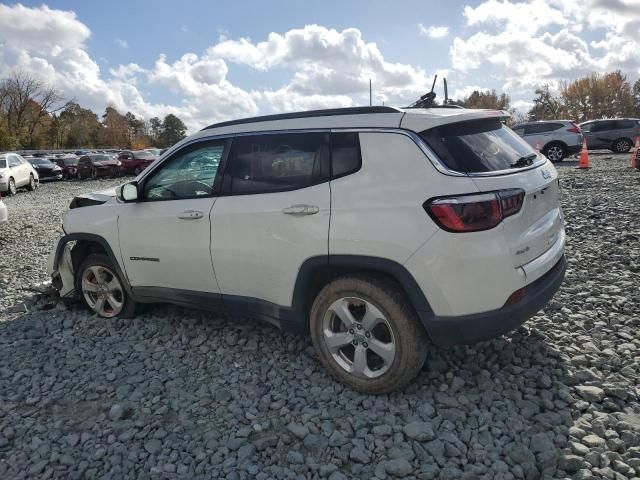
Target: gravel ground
179,394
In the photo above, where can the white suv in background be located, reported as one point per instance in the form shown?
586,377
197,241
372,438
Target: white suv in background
16,172
556,139
374,228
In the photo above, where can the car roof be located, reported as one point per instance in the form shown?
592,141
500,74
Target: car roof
610,119
535,122
416,119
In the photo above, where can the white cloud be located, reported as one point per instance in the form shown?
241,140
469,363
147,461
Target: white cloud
526,44
121,43
433,31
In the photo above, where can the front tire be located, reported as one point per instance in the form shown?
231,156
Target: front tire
94,174
32,184
622,145
101,288
367,335
555,152
12,187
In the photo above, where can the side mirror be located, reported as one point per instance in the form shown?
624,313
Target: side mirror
128,192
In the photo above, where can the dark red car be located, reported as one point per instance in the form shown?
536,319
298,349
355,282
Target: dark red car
69,166
99,165
134,162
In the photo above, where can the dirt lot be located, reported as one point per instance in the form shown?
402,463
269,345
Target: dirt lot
179,394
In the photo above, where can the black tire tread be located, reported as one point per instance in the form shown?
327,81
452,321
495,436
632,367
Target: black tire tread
388,296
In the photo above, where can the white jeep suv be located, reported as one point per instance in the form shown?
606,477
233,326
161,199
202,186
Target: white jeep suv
376,229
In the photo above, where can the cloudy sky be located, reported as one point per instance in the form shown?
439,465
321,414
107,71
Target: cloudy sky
208,61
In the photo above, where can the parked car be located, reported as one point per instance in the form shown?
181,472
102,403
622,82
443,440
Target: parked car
4,215
154,151
16,172
615,134
98,165
375,229
557,139
47,170
134,162
69,166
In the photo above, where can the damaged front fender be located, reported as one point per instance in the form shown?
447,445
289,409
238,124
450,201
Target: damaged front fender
62,273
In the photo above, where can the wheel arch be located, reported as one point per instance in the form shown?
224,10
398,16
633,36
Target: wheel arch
316,272
555,142
86,244
613,142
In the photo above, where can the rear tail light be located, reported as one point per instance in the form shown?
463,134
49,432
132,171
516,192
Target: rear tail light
574,129
476,212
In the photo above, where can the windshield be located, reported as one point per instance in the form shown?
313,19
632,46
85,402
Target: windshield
484,145
143,155
39,161
101,158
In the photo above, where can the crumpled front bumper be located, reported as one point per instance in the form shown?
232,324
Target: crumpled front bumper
60,267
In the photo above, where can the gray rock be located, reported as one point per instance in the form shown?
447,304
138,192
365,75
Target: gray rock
590,394
398,467
153,446
570,463
420,431
359,455
295,457
298,430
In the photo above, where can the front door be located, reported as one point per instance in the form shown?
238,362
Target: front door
274,215
165,236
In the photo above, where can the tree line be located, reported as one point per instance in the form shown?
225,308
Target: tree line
34,115
595,96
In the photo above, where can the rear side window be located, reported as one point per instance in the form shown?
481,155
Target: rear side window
479,146
621,124
345,154
535,128
272,163
3,163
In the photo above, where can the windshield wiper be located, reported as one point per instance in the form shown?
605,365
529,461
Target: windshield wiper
524,161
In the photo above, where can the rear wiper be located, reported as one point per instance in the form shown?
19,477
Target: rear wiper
524,161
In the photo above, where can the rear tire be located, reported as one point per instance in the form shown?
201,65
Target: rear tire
94,174
622,145
384,322
101,289
555,152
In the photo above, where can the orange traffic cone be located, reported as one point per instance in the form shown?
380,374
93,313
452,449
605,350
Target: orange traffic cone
584,157
634,154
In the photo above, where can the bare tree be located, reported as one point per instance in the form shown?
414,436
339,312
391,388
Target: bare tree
26,101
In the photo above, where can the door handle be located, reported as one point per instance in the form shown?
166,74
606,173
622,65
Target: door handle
190,215
301,210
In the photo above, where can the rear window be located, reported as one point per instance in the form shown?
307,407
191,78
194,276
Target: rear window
70,161
476,146
101,158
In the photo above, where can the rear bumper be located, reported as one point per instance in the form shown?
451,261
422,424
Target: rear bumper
484,326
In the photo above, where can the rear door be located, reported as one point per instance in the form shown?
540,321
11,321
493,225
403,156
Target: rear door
600,134
273,215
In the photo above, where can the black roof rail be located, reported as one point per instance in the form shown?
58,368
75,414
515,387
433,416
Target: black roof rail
329,112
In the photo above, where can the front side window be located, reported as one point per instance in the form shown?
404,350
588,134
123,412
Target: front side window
484,145
190,173
278,162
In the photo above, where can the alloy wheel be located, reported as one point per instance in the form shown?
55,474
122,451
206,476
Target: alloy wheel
102,290
555,153
12,187
622,146
359,337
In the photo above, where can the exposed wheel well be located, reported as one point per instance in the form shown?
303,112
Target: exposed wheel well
82,249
